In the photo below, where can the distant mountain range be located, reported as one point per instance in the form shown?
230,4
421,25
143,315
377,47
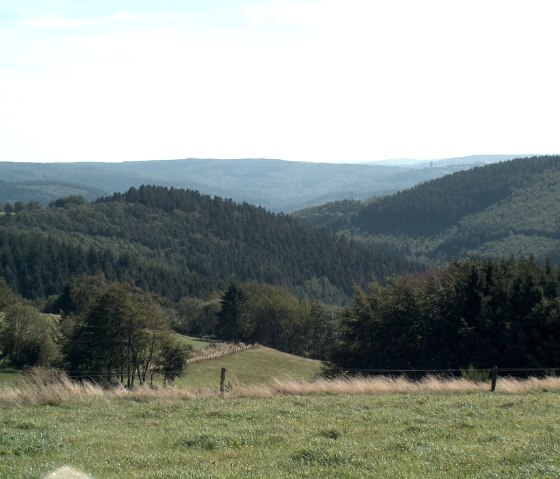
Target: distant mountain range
496,210
274,184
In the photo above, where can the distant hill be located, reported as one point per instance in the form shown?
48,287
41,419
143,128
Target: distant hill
500,209
459,162
274,184
181,243
44,191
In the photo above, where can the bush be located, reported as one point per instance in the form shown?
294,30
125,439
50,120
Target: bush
27,337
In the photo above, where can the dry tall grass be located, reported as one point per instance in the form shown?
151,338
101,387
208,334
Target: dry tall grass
64,389
397,385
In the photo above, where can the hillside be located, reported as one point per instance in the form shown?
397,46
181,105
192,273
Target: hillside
494,210
44,192
254,366
274,184
180,243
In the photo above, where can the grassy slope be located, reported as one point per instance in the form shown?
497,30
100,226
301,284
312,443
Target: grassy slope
253,366
391,436
197,344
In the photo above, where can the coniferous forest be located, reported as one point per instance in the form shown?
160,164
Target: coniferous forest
180,243
496,210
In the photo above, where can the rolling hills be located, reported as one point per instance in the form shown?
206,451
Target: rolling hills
274,184
501,209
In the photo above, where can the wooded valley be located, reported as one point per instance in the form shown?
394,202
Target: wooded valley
103,287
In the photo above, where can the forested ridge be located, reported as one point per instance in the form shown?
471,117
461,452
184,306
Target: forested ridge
180,243
434,206
501,209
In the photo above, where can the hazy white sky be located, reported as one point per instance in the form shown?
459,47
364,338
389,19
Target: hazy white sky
312,80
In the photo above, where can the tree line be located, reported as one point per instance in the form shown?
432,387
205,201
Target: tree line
470,312
108,332
467,313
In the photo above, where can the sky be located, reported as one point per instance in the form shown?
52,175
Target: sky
307,80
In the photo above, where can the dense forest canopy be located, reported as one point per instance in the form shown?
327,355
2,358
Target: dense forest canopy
471,312
497,210
434,206
180,243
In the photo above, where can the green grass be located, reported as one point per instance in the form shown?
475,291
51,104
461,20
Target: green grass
253,366
197,344
390,436
10,376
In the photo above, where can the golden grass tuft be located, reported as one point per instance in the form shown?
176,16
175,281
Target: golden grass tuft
64,389
362,385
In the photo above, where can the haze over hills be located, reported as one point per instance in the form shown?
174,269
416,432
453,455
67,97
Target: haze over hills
470,161
274,184
497,210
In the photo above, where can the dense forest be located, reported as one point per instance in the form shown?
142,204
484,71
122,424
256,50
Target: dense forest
496,210
468,313
433,207
180,243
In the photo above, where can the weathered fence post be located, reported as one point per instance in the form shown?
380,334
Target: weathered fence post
222,382
494,377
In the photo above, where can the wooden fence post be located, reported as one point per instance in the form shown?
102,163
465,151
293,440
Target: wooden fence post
222,382
494,377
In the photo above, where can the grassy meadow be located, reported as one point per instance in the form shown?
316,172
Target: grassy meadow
288,427
480,435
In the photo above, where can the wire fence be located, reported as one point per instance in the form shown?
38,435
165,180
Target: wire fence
38,375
